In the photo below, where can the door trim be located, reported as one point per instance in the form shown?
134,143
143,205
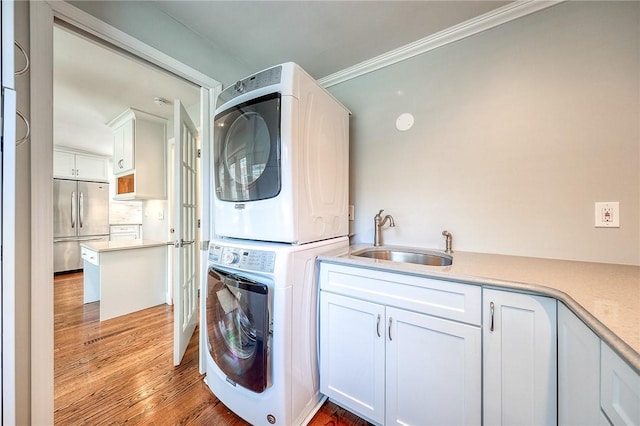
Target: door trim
42,15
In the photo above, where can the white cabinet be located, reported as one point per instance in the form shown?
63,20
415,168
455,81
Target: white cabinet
123,153
620,389
139,156
433,370
519,359
352,354
79,166
578,371
385,356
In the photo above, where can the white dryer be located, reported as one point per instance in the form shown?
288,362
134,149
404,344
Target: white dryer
261,328
281,159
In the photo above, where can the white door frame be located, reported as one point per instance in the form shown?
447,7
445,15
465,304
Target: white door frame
42,16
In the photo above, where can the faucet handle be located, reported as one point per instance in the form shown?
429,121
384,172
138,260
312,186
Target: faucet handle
380,213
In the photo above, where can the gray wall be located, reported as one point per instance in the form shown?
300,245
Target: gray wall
518,131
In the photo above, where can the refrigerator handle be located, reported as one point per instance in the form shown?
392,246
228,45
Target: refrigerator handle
81,219
73,209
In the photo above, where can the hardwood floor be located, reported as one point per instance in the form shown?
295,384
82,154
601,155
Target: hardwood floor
120,371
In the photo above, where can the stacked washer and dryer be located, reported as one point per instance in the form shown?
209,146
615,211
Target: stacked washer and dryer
281,199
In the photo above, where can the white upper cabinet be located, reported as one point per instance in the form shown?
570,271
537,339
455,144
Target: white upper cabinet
123,153
79,166
519,358
139,156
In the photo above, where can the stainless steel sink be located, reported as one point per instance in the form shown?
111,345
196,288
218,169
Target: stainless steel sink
408,256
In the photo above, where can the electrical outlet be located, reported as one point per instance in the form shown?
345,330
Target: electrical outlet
607,214
352,214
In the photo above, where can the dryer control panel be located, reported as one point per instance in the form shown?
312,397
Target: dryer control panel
242,258
262,79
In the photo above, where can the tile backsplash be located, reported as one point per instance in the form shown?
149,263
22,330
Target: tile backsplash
125,212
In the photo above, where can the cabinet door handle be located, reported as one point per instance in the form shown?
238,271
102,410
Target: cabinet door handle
390,321
121,163
491,309
378,326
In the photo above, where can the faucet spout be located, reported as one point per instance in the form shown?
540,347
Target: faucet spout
378,223
448,241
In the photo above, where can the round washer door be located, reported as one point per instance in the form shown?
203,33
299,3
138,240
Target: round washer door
238,329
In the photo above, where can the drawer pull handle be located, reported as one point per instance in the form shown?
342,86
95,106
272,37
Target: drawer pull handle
390,321
492,309
378,326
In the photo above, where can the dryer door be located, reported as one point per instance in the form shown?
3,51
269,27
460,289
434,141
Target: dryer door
247,150
238,329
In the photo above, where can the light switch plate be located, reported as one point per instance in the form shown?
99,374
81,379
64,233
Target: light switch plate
607,214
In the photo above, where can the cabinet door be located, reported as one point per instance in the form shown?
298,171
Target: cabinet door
123,148
91,168
578,368
64,165
620,389
519,340
352,355
433,370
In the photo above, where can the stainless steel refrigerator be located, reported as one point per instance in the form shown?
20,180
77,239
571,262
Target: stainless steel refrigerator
80,214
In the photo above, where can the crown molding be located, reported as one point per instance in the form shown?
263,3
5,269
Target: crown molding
463,30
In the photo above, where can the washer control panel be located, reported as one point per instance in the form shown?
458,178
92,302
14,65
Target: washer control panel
242,258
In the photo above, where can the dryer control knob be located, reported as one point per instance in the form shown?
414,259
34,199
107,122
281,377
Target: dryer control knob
230,258
239,86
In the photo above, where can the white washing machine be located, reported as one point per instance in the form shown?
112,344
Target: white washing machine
281,159
261,328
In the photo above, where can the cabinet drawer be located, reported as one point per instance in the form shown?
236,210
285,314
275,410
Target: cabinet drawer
619,389
123,229
90,256
445,299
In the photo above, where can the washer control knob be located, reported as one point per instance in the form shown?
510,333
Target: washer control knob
239,86
229,257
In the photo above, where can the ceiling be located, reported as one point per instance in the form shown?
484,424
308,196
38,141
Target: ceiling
93,84
321,36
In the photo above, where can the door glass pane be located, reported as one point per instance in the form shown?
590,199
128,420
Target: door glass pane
247,150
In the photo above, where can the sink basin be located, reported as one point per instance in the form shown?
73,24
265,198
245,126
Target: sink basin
408,256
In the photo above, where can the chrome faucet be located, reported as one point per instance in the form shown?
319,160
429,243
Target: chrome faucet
448,237
378,223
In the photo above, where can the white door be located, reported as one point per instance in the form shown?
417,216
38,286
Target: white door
578,353
519,358
433,371
185,282
352,346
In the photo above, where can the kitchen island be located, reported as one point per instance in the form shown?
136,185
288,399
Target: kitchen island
124,275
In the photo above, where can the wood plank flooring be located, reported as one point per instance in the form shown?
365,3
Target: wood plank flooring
120,371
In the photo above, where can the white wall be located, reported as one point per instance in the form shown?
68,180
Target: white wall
518,131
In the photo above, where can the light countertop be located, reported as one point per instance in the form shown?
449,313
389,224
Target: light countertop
105,246
605,296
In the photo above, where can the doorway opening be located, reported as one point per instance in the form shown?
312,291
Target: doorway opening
93,83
